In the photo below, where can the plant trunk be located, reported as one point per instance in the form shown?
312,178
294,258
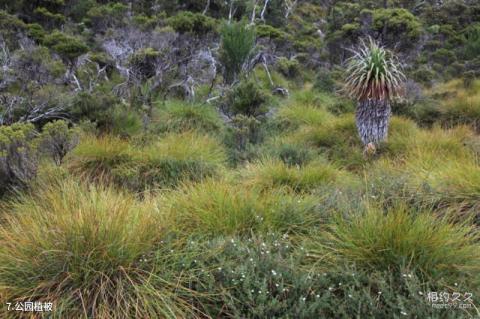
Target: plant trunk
373,117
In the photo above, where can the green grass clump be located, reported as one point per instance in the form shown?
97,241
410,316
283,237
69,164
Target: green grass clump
338,139
217,207
436,167
402,239
313,98
164,163
85,249
299,114
95,157
461,107
178,117
270,174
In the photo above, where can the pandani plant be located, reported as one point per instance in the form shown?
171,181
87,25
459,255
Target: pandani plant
374,79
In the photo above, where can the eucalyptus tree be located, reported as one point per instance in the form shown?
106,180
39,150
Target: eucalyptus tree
374,79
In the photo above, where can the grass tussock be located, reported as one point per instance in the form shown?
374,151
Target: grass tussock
85,249
176,116
304,226
164,163
217,207
337,139
402,239
271,174
296,115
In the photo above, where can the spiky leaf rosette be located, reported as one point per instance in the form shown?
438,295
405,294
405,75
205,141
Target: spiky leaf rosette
373,73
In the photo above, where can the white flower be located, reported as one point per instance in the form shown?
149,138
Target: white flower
403,313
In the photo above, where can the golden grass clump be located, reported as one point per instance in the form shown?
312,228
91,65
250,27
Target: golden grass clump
86,249
162,164
401,239
271,174
220,208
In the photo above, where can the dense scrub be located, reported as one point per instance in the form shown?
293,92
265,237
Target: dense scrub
201,159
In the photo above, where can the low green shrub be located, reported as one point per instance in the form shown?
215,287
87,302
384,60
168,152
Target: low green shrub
96,107
243,137
289,67
247,98
67,46
266,277
18,156
189,22
324,81
57,139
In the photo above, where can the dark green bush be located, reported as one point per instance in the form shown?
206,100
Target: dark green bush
424,75
96,107
399,26
106,16
18,156
269,32
324,81
472,39
57,139
68,47
189,22
10,26
247,98
289,67
36,32
242,137
49,18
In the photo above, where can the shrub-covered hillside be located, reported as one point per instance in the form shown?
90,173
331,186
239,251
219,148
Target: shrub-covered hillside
239,159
